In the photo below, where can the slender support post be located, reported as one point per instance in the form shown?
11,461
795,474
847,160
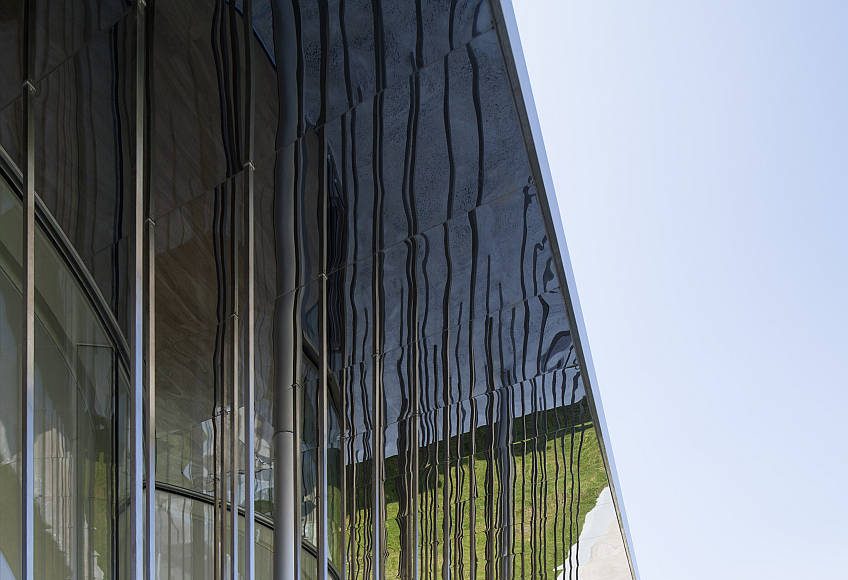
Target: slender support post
447,564
249,392
377,307
343,447
413,528
378,451
28,262
379,480
288,335
298,471
141,531
219,500
287,328
250,383
323,370
323,488
150,474
234,397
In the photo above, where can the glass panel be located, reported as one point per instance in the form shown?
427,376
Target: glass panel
184,537
335,474
76,372
194,333
76,376
123,465
11,220
309,456
309,466
85,136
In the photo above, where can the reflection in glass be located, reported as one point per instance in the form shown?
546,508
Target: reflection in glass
309,466
77,378
185,533
11,221
460,436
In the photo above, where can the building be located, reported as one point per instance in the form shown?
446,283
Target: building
298,257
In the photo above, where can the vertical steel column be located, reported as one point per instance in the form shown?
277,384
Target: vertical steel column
141,529
323,488
287,327
297,469
343,467
412,530
412,521
446,427
249,391
150,465
234,393
414,439
27,395
218,516
287,353
378,450
323,370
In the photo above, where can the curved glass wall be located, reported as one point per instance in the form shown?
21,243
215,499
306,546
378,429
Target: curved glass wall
81,450
198,281
80,478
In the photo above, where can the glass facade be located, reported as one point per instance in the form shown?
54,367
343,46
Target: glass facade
300,308
80,393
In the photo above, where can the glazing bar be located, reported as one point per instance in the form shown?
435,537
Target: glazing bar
28,262
139,532
249,390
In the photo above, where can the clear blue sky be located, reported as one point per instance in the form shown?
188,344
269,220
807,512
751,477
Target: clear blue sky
700,155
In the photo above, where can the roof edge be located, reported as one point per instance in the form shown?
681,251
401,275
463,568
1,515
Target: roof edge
510,41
